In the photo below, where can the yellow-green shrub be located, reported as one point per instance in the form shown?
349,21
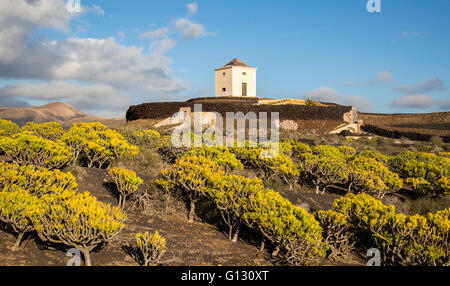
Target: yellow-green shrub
221,156
127,183
8,128
147,138
27,149
380,157
291,229
370,176
36,180
325,166
231,196
347,151
79,221
49,130
420,167
402,239
96,144
151,247
168,152
299,148
190,176
17,208
337,233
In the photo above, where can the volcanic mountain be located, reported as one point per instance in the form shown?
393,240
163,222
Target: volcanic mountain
60,112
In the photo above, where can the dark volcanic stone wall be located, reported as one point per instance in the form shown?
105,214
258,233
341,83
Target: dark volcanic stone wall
399,134
162,110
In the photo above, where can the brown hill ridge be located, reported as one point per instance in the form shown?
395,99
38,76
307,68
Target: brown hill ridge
60,112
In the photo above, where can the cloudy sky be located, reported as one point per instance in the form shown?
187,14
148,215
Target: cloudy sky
113,54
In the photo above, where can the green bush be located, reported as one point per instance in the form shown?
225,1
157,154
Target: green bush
26,149
425,172
37,181
17,208
49,130
8,128
294,232
402,239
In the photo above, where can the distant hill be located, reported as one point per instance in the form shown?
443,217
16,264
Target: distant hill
60,112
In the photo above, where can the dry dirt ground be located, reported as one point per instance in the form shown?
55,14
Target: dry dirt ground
428,123
196,244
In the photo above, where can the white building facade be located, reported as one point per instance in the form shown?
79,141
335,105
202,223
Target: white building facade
236,79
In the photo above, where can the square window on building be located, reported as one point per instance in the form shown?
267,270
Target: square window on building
224,89
244,73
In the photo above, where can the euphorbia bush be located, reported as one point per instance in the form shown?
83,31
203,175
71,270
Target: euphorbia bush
151,247
97,145
17,209
48,130
27,149
36,180
231,195
191,176
147,138
325,166
168,152
79,221
8,128
221,156
127,183
337,233
422,170
291,229
380,157
402,239
370,176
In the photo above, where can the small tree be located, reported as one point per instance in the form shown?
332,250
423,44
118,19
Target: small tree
231,194
289,228
127,183
418,167
221,156
79,221
36,180
192,175
17,208
324,167
372,177
96,144
48,130
27,149
337,232
8,128
151,247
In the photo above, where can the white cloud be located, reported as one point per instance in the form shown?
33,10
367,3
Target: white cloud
406,35
86,97
326,94
189,29
156,34
98,10
430,85
421,101
383,77
192,9
100,66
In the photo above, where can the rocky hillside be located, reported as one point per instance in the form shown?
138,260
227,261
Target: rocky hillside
60,112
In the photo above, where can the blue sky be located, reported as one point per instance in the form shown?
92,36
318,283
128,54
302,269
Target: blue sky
117,53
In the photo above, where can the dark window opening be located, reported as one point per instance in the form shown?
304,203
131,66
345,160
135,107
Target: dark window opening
224,89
